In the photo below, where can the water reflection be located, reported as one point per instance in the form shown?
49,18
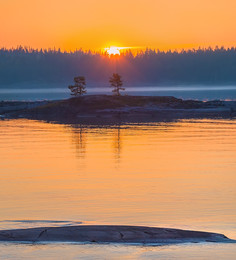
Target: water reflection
117,145
79,133
79,139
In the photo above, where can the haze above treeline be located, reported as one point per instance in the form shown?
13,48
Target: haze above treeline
150,67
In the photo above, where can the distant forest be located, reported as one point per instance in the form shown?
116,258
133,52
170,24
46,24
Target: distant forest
201,66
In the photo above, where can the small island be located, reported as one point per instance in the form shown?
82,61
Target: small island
111,108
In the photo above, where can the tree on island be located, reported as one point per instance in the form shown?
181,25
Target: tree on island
79,88
116,83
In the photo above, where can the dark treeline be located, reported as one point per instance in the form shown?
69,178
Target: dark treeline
201,66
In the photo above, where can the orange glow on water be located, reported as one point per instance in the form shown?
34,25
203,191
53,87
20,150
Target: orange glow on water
179,174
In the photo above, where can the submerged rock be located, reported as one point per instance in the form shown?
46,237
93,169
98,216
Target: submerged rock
106,234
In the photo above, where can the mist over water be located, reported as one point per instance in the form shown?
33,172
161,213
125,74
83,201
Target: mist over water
33,92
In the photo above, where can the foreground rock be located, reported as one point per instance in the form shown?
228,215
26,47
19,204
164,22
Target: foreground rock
115,234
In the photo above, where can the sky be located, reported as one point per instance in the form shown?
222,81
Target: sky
96,24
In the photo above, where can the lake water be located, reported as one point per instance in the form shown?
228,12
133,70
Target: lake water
59,91
172,174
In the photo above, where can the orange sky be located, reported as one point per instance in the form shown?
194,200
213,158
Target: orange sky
95,24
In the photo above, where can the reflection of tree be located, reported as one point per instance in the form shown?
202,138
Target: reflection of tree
117,143
79,139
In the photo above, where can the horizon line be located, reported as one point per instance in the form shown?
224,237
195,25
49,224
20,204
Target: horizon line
123,49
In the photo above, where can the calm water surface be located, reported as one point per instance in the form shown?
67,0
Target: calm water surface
174,174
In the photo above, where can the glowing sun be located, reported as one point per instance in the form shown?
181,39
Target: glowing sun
113,50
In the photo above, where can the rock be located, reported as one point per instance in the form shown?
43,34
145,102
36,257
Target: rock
106,233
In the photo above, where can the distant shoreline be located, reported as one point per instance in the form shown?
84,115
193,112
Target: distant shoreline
114,109
110,234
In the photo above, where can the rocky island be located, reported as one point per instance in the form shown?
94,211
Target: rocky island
108,109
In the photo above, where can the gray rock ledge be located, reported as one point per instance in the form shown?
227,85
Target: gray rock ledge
110,234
